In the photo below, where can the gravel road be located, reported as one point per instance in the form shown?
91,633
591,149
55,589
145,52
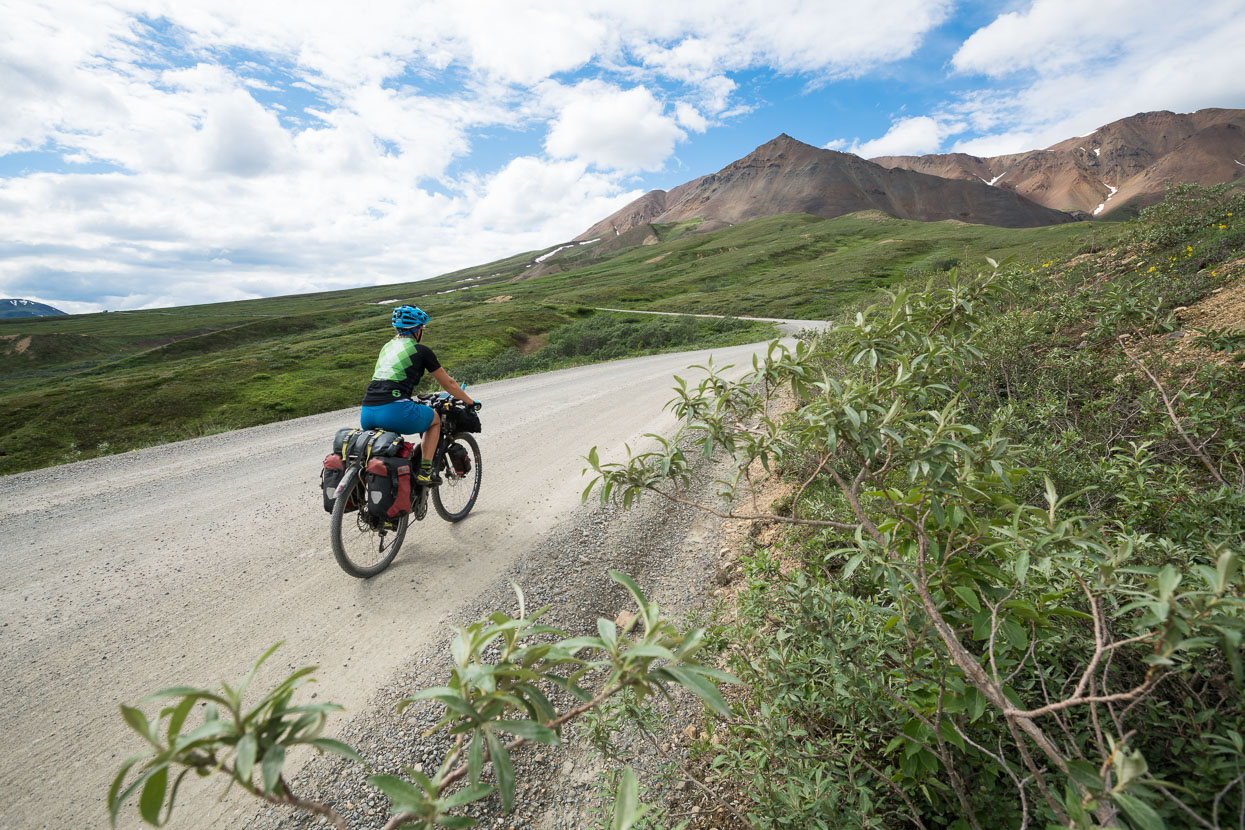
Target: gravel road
180,564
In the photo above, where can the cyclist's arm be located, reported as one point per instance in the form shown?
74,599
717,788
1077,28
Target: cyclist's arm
450,385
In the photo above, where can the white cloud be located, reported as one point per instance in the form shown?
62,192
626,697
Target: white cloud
688,116
612,128
552,201
907,137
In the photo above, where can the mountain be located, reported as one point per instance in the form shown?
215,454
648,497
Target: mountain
788,176
26,308
1125,164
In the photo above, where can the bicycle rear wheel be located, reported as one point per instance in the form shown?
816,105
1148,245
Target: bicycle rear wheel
363,545
456,495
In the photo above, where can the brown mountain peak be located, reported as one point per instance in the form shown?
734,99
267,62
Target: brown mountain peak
1126,163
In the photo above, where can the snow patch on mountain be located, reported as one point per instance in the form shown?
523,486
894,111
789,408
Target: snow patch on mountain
544,257
1114,190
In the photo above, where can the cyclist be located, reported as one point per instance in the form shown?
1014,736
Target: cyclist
387,403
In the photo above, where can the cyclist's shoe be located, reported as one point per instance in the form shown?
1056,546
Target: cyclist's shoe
427,477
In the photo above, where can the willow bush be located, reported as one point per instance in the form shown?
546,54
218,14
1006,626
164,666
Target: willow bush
1018,521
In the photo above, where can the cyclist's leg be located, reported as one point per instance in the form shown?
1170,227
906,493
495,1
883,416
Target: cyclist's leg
431,434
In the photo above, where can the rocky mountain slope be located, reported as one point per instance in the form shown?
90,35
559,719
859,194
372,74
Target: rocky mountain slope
1125,164
788,176
26,308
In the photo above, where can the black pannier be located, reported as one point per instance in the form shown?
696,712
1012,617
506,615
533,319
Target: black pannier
389,487
460,458
464,420
331,476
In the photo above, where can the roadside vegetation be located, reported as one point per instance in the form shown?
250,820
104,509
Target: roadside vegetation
85,385
1010,594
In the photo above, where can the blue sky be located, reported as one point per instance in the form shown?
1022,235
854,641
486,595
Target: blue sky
156,153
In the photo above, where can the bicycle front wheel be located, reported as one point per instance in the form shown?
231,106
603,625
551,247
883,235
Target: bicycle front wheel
363,545
457,493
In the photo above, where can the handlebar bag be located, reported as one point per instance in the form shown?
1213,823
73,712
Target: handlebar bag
331,476
463,419
389,487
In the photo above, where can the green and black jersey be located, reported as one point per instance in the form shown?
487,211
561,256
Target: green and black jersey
401,364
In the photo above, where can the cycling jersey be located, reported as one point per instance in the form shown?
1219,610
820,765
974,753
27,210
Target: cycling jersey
401,364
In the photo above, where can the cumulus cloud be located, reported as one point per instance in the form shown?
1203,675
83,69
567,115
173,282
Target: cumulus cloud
612,128
907,137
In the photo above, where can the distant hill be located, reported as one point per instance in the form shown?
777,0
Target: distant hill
788,176
1126,164
26,308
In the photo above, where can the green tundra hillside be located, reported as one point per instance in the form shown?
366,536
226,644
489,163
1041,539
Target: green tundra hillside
77,386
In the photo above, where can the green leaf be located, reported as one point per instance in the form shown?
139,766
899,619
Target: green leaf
138,722
338,748
627,809
475,757
453,821
649,650
852,564
1224,570
529,729
153,795
505,771
245,759
1022,566
274,759
968,595
250,675
1086,774
403,794
1168,579
114,803
703,689
608,632
1140,814
467,795
629,583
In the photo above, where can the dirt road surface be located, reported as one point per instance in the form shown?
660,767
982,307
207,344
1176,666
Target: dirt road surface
180,564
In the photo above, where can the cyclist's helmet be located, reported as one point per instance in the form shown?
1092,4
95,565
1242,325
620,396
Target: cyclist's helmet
409,317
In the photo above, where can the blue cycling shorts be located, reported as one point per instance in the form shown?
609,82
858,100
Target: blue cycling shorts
406,417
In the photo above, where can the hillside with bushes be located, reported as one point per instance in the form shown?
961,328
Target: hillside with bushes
1010,589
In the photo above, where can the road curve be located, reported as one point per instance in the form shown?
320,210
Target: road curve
180,563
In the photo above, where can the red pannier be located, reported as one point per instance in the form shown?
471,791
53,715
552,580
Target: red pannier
389,482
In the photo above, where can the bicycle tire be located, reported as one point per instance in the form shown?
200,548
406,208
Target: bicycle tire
352,545
467,486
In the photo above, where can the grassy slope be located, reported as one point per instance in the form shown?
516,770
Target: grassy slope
89,384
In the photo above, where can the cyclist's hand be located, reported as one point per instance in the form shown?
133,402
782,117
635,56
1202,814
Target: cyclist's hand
476,406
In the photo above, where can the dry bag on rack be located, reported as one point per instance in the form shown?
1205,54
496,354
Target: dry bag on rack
389,487
353,444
